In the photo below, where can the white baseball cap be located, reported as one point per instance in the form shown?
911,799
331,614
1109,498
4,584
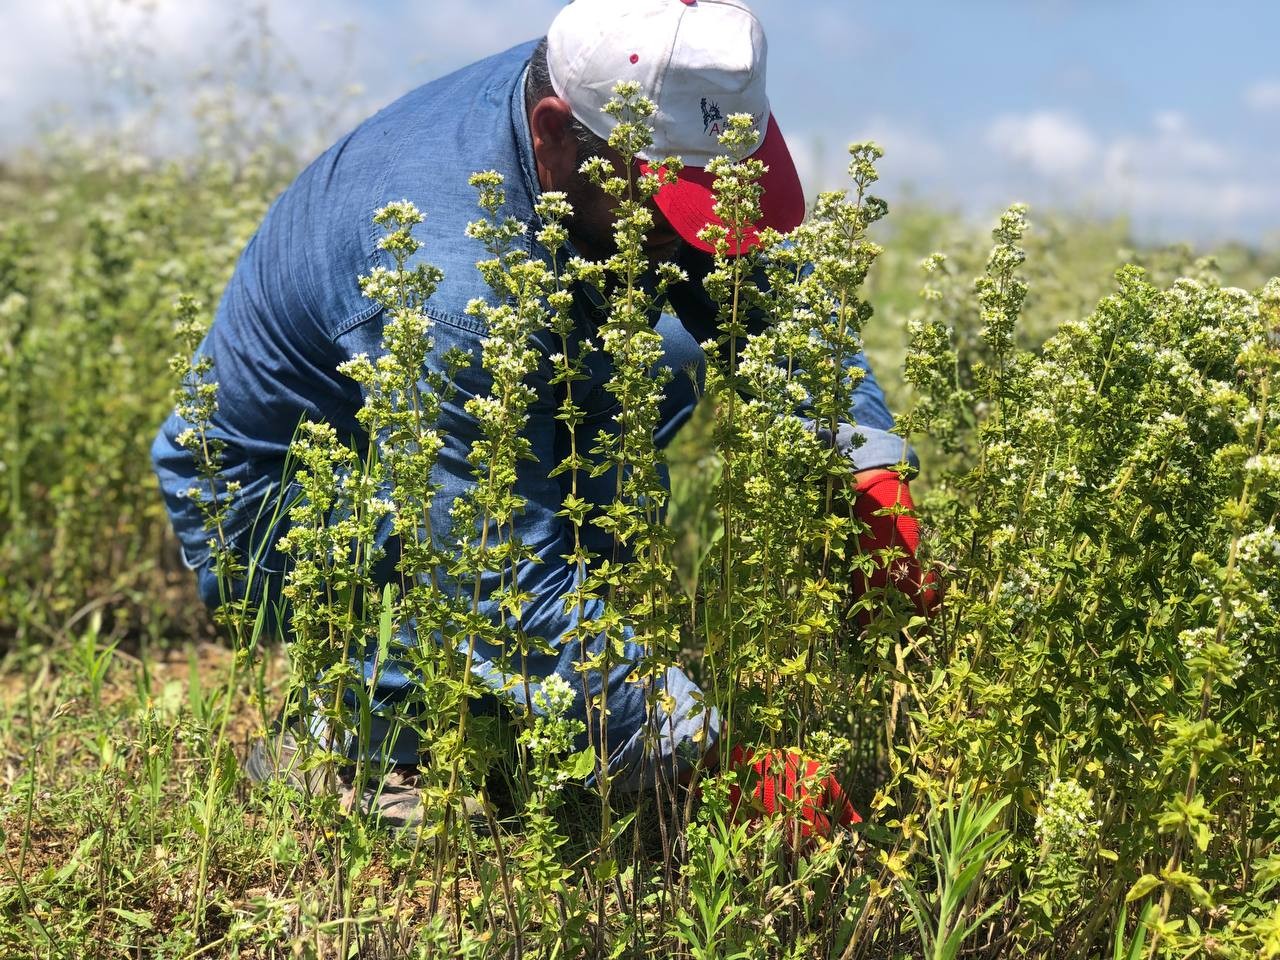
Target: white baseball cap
699,61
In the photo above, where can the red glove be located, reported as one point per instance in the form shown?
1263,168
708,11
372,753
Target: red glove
878,490
776,771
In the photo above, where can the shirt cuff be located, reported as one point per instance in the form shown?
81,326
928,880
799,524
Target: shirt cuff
666,744
870,447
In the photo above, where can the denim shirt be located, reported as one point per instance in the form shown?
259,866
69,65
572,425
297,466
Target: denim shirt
293,311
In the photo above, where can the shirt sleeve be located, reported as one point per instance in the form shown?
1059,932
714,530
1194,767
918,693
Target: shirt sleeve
865,436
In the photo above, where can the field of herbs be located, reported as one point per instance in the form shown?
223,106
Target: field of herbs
1076,757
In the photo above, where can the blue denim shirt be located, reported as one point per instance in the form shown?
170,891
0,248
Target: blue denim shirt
293,312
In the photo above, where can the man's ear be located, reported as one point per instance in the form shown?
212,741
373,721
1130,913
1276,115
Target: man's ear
554,147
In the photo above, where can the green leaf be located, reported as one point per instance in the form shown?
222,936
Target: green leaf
921,914
140,919
793,665
582,764
1144,925
606,869
1203,836
1141,887
386,620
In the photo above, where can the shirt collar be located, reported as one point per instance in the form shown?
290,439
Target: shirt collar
524,142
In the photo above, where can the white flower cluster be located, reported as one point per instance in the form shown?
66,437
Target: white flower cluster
552,733
554,697
12,305
1261,547
379,284
1026,583
1265,467
1066,824
1206,654
1193,641
1005,462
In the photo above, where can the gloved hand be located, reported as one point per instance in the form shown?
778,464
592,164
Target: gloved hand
877,491
774,774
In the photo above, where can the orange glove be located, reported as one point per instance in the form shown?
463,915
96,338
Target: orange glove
776,772
878,490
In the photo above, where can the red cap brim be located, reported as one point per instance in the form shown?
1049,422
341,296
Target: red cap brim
687,202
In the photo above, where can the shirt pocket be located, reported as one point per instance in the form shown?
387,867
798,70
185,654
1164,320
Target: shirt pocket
593,394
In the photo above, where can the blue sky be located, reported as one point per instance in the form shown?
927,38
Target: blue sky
1168,113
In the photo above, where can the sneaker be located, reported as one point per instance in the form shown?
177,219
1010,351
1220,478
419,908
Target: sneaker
394,802
278,757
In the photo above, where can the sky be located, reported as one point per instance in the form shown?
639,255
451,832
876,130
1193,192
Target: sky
1167,113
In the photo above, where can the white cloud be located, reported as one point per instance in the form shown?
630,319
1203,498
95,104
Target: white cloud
34,49
1175,171
1264,96
1052,145
910,153
822,162
1168,172
1175,146
87,52
455,32
1171,123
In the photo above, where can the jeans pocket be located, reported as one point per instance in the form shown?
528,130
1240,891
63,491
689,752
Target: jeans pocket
262,566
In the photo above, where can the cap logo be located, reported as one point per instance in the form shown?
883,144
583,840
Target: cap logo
712,118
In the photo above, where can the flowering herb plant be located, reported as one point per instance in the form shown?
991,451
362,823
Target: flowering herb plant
1085,714
1075,757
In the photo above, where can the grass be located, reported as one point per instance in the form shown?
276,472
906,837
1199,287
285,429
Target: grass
106,758
108,755
104,783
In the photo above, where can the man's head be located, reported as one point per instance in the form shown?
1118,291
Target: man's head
699,61
561,143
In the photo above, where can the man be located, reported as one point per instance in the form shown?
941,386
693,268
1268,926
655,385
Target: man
293,312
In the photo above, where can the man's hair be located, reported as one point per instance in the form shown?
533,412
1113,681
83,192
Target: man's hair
537,86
